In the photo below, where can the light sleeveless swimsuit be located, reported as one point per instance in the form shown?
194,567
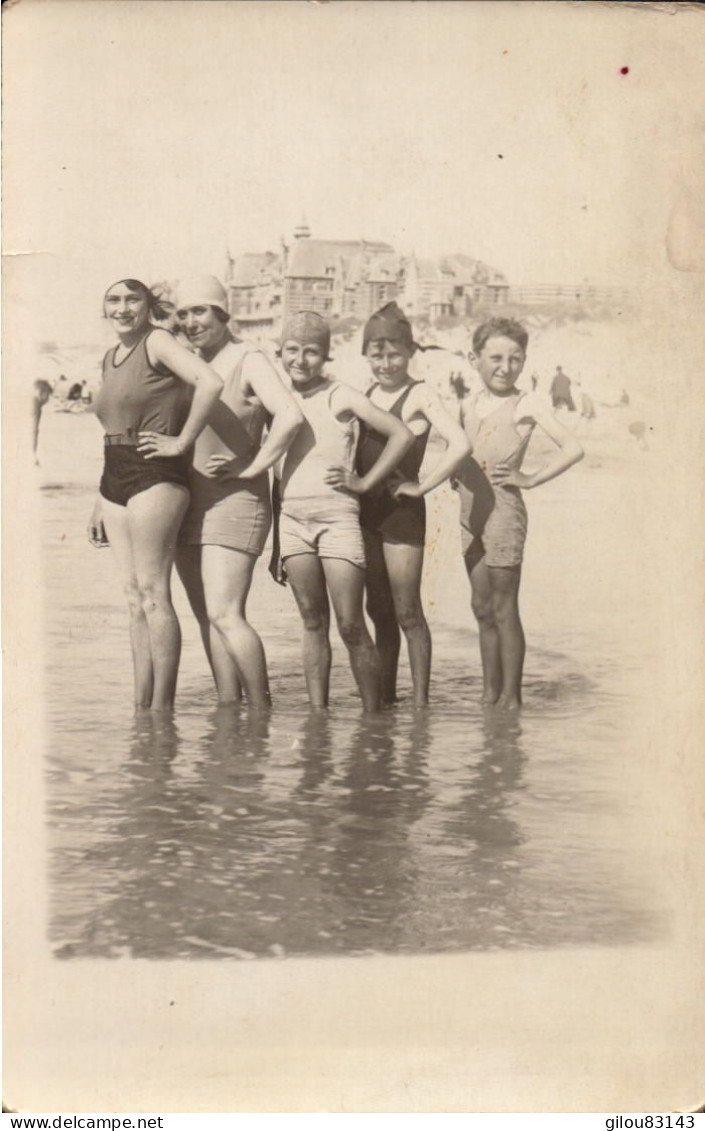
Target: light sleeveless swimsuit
232,512
493,519
315,517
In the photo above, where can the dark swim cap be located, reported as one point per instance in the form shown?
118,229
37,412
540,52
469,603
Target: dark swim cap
391,324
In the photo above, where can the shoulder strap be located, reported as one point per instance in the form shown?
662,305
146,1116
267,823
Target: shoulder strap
402,398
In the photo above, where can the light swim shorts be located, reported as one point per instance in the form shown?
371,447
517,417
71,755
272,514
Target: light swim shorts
328,532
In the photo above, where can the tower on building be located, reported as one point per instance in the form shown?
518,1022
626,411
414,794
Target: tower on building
302,232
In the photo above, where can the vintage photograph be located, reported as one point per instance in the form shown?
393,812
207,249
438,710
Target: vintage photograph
359,342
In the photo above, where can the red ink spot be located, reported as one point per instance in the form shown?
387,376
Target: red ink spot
624,71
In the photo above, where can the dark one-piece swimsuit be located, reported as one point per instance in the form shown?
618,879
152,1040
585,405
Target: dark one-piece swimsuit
395,520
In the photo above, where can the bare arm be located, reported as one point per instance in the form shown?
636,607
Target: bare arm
261,376
399,440
570,451
192,370
457,445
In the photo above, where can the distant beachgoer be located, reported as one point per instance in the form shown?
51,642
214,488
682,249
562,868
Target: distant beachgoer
40,396
560,390
86,395
637,429
74,393
624,399
151,418
229,515
587,406
393,514
61,390
499,421
320,538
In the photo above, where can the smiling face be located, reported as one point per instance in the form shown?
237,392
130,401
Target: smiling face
126,309
499,363
303,361
203,327
389,361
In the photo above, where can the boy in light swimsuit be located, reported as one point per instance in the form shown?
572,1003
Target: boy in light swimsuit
498,422
319,530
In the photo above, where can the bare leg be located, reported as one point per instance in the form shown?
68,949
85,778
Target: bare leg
227,576
490,654
118,532
309,585
346,586
154,517
505,603
224,668
380,606
404,565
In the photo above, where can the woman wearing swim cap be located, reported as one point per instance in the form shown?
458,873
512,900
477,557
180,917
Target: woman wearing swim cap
393,514
229,516
153,403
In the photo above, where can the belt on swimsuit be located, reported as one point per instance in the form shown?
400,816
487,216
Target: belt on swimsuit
128,439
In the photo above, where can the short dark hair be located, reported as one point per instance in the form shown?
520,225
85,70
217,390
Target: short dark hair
500,328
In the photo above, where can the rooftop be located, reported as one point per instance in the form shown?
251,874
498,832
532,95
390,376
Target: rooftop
310,258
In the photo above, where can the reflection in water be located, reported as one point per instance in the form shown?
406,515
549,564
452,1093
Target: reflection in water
244,835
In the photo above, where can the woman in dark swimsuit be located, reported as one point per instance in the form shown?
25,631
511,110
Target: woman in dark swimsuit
153,403
393,518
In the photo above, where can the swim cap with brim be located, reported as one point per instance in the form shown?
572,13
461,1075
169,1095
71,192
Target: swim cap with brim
307,329
390,324
201,290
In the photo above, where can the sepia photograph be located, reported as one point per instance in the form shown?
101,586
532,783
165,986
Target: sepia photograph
354,537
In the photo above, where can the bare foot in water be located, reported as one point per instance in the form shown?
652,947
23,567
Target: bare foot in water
507,703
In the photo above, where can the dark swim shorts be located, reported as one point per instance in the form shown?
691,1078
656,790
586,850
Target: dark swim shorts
400,520
126,473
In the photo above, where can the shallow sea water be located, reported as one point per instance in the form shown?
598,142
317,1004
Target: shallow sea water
221,833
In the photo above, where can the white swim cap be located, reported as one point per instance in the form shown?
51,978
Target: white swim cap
201,290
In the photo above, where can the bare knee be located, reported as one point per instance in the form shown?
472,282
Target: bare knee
353,633
224,617
154,597
314,618
410,617
483,609
504,607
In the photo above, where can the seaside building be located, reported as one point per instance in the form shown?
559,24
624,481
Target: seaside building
352,278
336,278
453,285
255,286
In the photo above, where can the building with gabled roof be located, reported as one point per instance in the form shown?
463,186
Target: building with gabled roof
353,278
332,277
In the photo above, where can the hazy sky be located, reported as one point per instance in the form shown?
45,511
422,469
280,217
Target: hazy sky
142,138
